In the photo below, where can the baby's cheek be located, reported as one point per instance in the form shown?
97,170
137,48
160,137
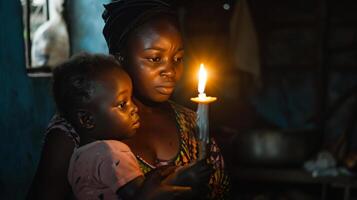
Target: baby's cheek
124,120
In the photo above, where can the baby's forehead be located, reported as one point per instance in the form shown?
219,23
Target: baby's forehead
111,81
113,75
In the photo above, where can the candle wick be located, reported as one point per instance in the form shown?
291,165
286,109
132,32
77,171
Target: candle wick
202,95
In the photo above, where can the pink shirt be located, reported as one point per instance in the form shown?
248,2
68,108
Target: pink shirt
97,170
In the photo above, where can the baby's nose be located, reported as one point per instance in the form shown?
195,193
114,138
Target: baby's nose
134,109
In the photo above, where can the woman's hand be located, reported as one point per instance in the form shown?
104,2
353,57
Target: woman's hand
155,188
193,175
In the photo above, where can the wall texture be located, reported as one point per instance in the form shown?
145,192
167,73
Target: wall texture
86,24
25,107
26,103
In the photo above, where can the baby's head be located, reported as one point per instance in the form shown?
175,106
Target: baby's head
94,94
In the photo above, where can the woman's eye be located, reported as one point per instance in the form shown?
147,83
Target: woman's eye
178,59
155,59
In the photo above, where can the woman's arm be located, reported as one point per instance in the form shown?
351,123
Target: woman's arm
50,181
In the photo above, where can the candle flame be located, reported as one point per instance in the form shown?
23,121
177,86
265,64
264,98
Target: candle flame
202,79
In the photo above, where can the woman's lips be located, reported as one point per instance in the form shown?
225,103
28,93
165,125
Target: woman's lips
165,90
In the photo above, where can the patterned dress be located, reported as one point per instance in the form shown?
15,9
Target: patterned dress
188,149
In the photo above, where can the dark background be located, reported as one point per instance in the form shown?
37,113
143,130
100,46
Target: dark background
307,52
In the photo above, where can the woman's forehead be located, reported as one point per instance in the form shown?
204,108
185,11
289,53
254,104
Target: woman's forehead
158,34
157,25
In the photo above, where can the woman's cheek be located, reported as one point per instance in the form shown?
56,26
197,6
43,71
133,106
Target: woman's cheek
179,71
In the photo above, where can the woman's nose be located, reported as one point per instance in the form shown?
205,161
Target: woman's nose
168,71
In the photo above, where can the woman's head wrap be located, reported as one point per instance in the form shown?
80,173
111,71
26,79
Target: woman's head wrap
123,16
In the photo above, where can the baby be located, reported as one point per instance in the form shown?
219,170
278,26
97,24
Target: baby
94,94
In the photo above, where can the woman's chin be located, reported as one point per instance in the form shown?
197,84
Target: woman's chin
162,98
154,99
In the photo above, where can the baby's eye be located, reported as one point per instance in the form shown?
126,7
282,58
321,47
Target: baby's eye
121,105
155,59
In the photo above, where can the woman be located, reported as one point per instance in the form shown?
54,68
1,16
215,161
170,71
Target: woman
144,36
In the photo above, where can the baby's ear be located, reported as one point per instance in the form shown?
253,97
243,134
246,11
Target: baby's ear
85,119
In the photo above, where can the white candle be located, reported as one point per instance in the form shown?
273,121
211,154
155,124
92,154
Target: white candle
202,112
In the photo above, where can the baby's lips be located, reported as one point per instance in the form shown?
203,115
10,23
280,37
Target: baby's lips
136,123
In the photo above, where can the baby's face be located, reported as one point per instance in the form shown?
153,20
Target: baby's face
115,114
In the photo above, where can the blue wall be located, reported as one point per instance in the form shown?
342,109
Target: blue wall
26,103
25,107
86,25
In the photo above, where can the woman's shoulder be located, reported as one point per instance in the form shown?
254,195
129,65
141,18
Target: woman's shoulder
185,117
60,126
182,110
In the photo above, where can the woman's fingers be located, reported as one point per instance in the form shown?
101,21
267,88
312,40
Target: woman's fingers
194,174
181,192
201,166
169,192
166,170
153,177
201,169
178,189
160,173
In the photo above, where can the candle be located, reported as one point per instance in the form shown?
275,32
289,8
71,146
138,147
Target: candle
202,112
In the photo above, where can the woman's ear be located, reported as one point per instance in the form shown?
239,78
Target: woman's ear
85,119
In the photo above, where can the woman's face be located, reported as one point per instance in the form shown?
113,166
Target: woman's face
155,60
